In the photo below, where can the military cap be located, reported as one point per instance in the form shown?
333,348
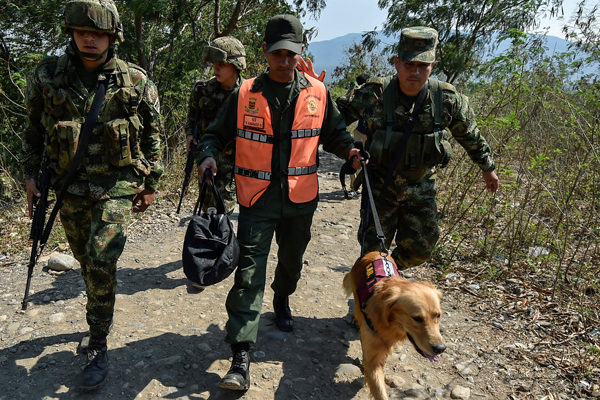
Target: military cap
284,32
226,49
417,43
93,15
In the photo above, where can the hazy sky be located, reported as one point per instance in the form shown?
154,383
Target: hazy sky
354,16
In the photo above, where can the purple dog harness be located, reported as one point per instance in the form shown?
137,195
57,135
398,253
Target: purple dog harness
380,268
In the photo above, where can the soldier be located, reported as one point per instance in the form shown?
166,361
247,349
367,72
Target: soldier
228,57
121,166
407,120
278,120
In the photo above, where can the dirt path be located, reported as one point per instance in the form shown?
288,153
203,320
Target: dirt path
167,340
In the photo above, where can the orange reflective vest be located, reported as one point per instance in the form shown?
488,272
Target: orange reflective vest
254,143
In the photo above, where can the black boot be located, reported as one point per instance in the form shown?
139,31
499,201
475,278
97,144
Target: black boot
96,370
238,376
283,314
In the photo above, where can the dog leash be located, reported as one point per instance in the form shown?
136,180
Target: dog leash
371,205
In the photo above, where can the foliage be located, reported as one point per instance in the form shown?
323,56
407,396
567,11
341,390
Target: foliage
464,27
359,60
542,120
584,32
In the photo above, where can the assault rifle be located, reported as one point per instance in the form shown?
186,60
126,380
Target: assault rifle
37,226
189,166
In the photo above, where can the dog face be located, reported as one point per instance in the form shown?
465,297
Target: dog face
414,308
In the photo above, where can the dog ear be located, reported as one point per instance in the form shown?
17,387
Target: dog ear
392,299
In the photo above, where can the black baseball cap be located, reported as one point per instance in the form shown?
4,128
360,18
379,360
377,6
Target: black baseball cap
284,32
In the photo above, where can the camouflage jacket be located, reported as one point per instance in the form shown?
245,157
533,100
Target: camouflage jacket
205,101
123,154
457,117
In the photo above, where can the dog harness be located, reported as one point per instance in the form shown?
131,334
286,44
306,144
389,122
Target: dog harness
379,269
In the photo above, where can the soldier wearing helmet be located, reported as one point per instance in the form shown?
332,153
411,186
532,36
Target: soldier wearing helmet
121,167
228,58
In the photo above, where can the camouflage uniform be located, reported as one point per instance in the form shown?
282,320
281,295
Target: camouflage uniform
405,198
122,157
205,101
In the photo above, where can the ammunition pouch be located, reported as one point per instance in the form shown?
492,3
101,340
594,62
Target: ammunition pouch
63,141
122,143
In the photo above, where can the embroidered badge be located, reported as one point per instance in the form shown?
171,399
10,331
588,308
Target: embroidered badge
312,106
251,107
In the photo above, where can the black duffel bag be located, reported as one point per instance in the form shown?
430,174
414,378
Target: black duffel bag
210,248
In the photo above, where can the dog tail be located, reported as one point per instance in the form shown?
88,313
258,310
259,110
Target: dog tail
348,284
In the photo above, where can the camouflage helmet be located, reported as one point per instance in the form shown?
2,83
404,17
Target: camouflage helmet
417,43
93,15
226,49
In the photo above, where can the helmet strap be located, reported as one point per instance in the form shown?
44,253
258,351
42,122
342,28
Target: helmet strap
91,56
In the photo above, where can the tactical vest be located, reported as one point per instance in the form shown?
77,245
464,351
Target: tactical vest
410,154
254,144
114,142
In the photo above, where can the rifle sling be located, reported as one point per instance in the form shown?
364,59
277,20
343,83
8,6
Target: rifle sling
86,130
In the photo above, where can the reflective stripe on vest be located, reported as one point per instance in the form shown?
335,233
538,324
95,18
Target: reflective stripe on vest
254,143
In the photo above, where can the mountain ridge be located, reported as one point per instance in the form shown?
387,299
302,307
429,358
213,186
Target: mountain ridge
329,53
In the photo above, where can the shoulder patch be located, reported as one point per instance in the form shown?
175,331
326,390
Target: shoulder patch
447,86
375,81
136,73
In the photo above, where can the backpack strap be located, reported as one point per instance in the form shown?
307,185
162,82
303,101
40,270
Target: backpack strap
437,103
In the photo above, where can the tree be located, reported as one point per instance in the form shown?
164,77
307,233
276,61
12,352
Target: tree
585,32
464,26
358,60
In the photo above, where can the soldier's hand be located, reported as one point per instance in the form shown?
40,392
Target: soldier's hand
306,66
207,163
32,191
189,140
143,200
491,181
356,157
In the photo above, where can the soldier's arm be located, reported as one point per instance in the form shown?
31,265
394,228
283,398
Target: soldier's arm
334,137
221,131
33,139
464,129
362,104
33,136
149,111
191,116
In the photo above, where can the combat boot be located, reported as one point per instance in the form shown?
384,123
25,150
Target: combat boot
96,370
238,376
283,314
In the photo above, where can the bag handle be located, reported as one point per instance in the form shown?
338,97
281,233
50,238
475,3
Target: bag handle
208,176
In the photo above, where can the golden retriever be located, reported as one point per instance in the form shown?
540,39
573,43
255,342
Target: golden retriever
392,310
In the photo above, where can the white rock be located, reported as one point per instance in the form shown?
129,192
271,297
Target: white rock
347,371
467,368
61,262
56,317
460,393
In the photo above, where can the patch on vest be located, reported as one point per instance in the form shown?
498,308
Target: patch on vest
251,121
251,107
381,268
312,106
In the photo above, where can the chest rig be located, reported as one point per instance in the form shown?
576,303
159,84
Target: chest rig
115,139
404,149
